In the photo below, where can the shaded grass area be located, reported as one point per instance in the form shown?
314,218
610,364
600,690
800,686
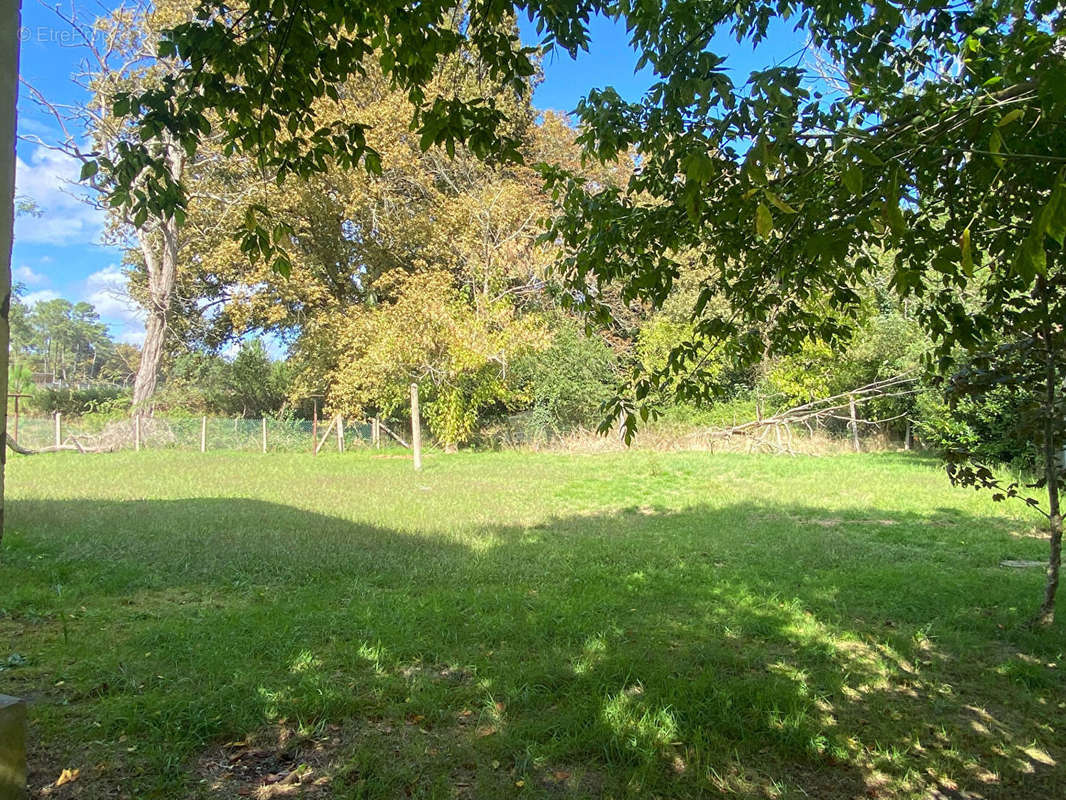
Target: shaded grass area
625,625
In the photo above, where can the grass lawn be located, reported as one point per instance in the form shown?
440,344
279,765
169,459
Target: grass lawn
519,625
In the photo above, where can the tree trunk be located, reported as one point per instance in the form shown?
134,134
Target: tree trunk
1046,614
151,356
162,266
10,21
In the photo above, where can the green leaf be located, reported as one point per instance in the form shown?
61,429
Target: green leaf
764,221
778,203
890,210
692,203
698,167
995,145
853,181
282,265
1055,211
88,169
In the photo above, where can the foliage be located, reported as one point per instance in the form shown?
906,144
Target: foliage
985,428
249,385
19,379
65,340
429,335
884,344
566,382
77,402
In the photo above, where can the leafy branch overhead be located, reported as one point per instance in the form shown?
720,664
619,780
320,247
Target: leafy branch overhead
254,76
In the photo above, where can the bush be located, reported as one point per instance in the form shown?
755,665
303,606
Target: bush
78,402
566,383
988,428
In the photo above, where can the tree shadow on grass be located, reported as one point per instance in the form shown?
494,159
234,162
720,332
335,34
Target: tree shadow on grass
750,650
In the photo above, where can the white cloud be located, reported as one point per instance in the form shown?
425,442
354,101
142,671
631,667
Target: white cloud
106,290
47,179
40,296
26,275
136,338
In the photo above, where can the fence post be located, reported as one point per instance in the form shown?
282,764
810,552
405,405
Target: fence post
416,428
137,432
340,434
17,398
854,424
203,434
59,429
375,432
908,437
264,434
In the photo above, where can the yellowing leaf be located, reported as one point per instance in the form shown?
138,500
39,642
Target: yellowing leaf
67,776
764,221
778,203
1010,116
967,254
995,145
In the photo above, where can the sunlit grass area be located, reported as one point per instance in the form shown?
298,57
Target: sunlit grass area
519,625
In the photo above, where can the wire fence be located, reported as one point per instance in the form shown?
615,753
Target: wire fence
205,433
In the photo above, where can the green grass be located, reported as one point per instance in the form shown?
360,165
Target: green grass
517,625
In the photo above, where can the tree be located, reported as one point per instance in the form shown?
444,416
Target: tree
433,333
941,149
10,24
122,57
64,339
940,145
1027,370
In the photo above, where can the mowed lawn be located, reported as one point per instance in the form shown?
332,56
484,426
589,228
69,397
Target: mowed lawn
521,625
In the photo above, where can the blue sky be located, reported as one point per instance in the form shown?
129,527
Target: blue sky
59,253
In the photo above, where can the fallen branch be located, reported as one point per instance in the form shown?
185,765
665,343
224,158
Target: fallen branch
820,410
25,451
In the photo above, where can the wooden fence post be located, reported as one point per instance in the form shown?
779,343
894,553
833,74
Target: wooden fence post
264,434
137,432
59,429
908,437
340,434
375,432
203,434
854,424
416,428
